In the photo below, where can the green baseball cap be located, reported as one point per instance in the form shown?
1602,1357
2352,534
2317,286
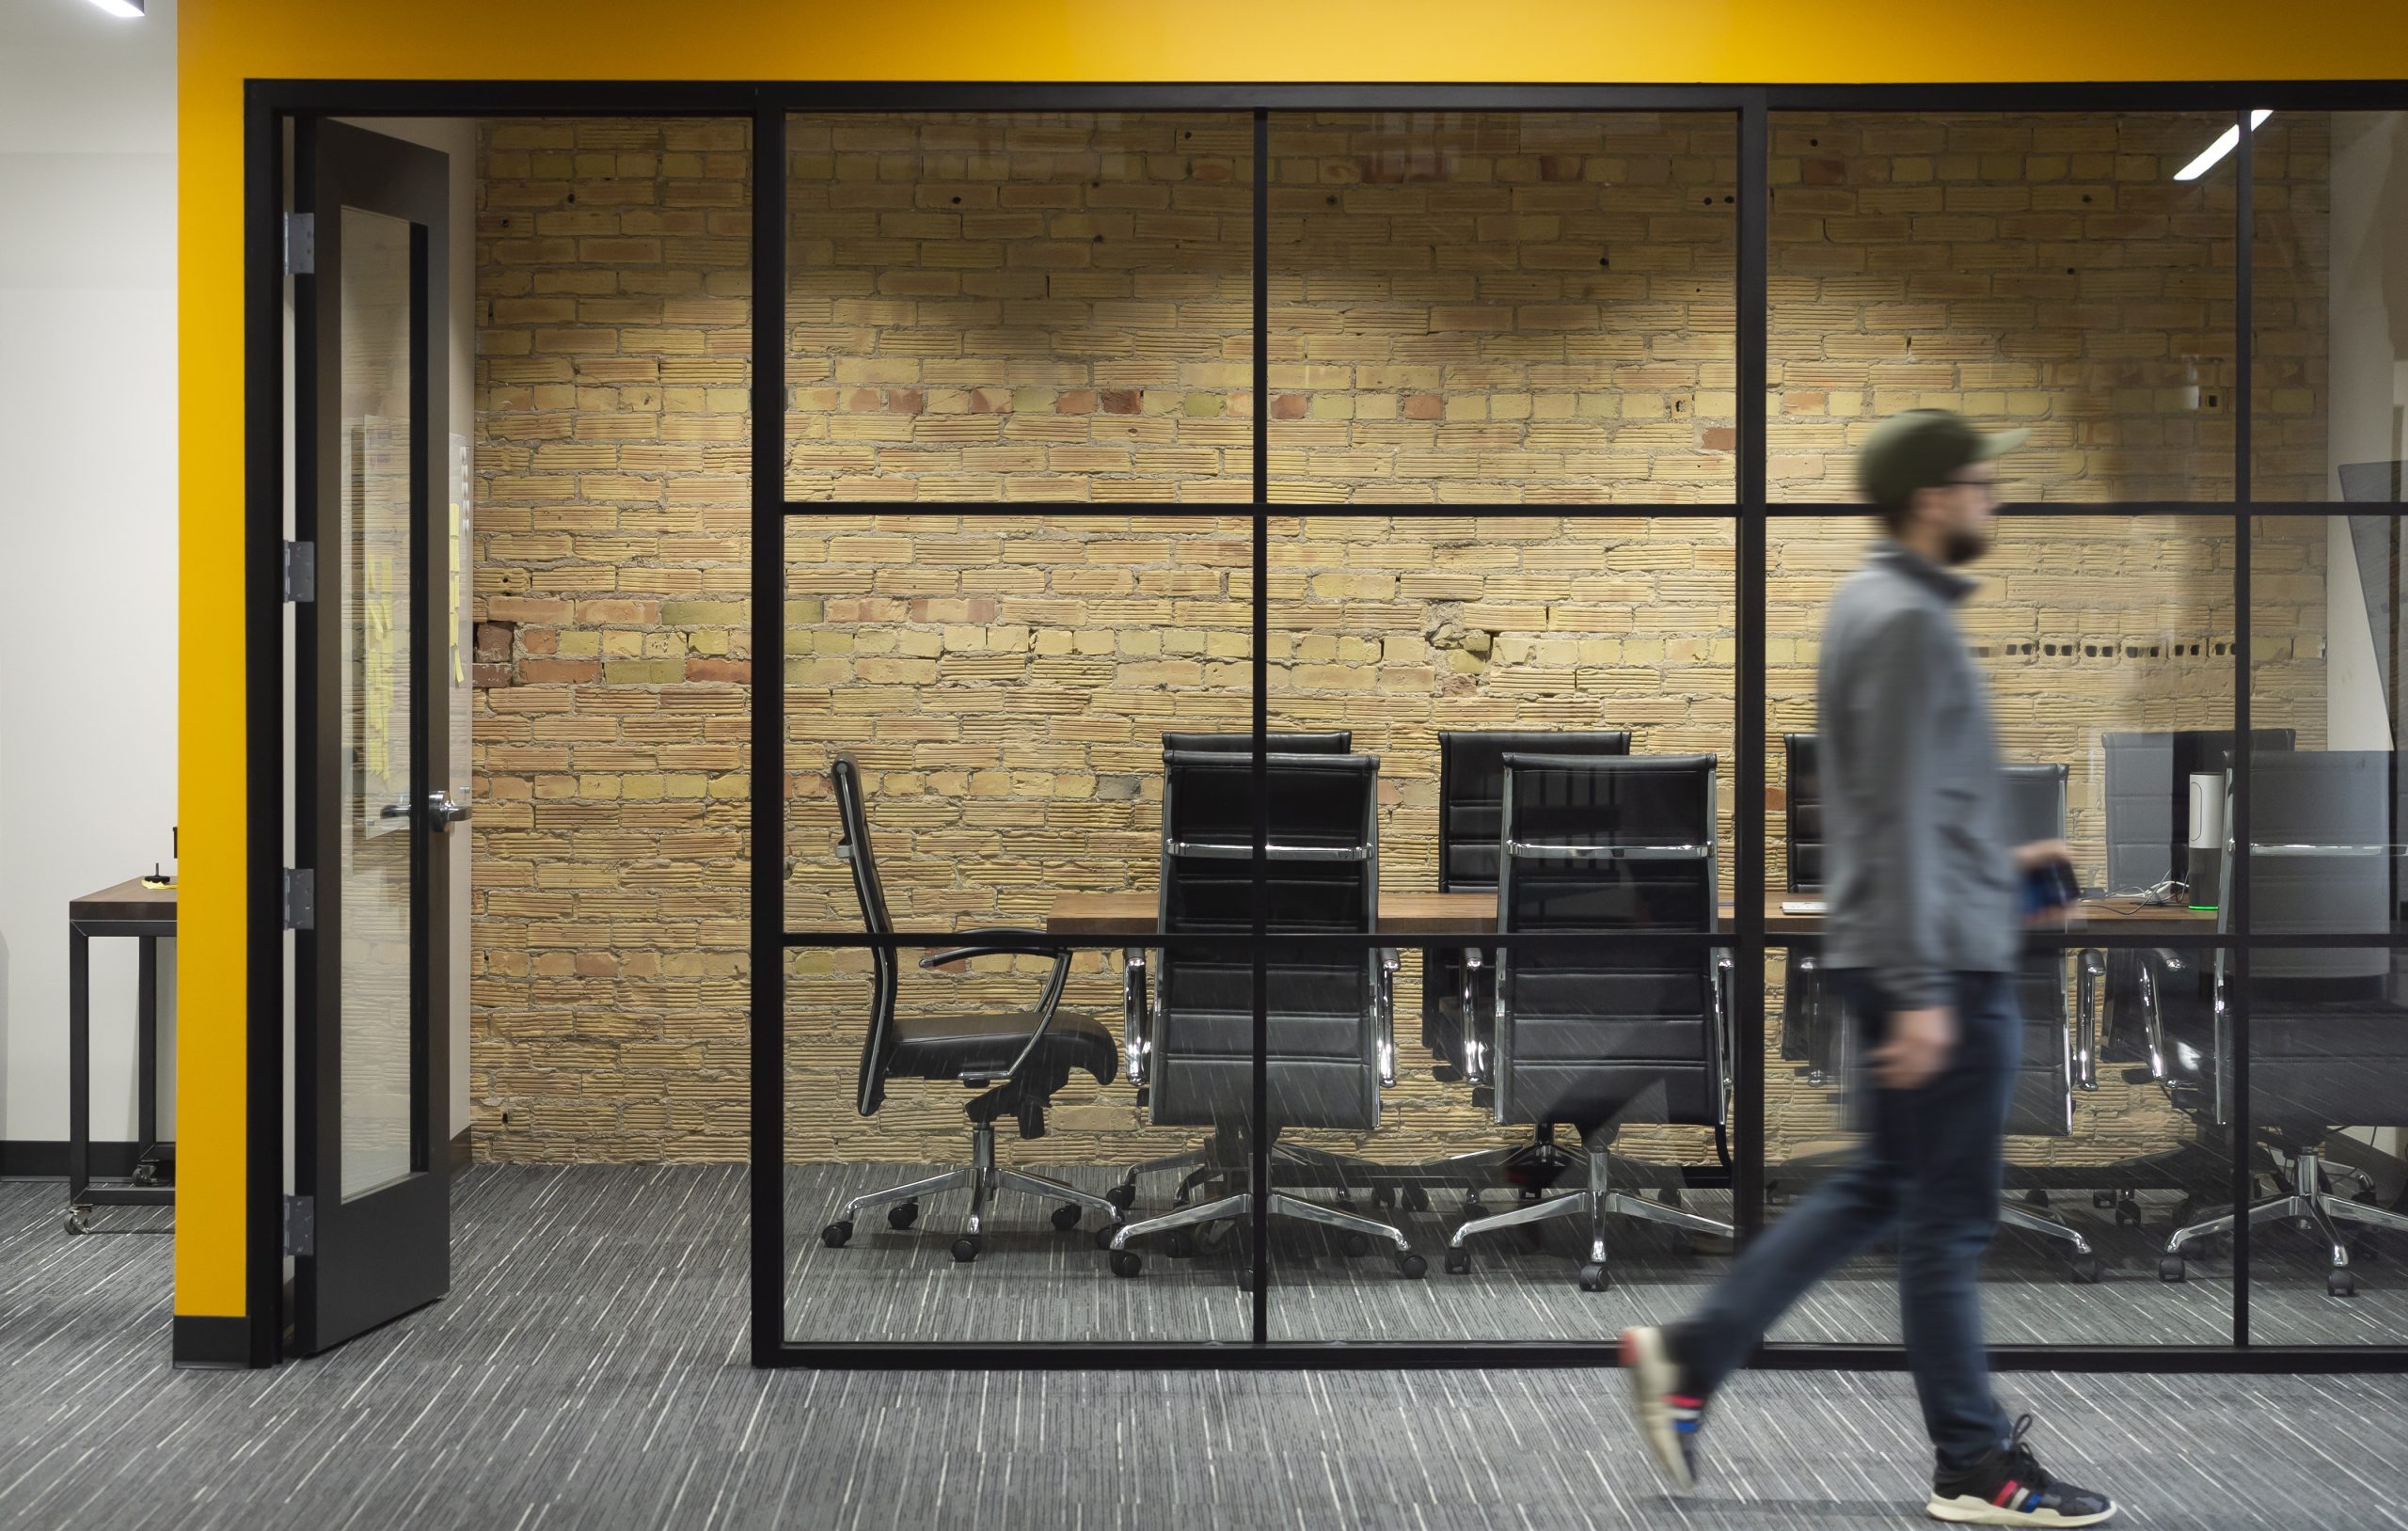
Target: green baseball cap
1922,449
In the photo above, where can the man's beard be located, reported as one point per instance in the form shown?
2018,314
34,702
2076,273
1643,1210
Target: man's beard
1963,546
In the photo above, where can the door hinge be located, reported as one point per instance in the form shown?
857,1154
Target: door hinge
300,570
300,1225
300,899
300,244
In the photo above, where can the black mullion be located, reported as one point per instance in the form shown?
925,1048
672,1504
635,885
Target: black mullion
1258,1133
2236,996
768,764
1201,510
2127,509
1747,771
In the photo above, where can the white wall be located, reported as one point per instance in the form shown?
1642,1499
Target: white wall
88,528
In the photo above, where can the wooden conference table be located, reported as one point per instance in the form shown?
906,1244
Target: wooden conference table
1430,914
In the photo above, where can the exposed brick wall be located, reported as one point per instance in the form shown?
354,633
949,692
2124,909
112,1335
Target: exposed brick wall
1005,682
609,911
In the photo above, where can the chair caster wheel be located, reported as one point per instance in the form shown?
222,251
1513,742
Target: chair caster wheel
2087,1268
1065,1219
2171,1268
903,1216
965,1249
2127,1213
836,1235
2102,1199
1354,1245
1125,1263
1180,1245
1672,1197
1123,1196
1212,1236
1415,1199
1593,1278
1412,1267
146,1174
1103,1234
2035,1197
1384,1196
79,1220
2365,1196
1458,1262
2342,1283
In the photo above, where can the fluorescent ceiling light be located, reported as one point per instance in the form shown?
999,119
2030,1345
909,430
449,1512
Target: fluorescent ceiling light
124,9
2225,143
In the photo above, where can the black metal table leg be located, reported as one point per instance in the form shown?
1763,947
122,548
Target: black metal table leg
79,1075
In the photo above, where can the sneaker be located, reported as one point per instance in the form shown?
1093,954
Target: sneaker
1670,1410
2009,1486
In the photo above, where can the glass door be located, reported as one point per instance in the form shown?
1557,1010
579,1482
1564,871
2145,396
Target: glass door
369,1223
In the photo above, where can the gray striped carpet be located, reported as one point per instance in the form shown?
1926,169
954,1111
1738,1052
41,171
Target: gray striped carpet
589,1371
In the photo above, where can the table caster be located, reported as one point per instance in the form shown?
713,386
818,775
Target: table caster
146,1174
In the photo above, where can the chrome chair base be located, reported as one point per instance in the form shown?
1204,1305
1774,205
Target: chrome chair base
2314,1208
1361,1231
1596,1202
982,1177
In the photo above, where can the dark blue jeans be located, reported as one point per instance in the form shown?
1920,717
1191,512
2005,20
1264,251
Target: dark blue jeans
1930,1166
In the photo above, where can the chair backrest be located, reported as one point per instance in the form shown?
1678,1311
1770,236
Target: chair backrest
1322,873
2041,1103
852,847
1624,1032
1471,793
2148,788
1336,742
2320,864
1802,820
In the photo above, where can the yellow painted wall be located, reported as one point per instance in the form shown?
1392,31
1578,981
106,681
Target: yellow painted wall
223,42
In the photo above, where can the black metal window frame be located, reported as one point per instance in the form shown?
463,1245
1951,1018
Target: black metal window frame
270,104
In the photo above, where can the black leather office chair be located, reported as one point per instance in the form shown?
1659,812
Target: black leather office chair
1137,998
2041,1105
2328,1044
1812,1031
1331,1045
1598,1037
1016,1059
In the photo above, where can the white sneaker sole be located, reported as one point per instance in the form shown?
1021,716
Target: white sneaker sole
1964,1510
1650,1378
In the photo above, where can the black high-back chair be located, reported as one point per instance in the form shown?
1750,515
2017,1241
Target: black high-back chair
1015,1059
1471,802
2328,1044
1329,1022
1334,742
1624,1032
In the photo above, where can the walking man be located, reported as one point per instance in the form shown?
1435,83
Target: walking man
1921,942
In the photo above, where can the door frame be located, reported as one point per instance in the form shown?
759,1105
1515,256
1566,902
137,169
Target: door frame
269,104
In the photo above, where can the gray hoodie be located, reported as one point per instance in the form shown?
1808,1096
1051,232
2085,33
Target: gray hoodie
1919,878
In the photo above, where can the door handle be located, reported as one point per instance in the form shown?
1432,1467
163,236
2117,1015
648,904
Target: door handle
394,810
442,812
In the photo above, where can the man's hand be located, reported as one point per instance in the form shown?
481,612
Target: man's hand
1916,1049
2041,853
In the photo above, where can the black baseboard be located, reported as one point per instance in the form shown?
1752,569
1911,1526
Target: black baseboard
45,1158
460,1158
213,1343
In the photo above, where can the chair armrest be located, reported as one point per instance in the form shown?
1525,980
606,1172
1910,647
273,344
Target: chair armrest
2091,971
1012,944
1389,961
1137,1016
1476,1069
1722,976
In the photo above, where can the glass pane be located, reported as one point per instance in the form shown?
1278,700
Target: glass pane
2328,1092
2329,301
1500,306
997,691
378,445
2049,270
1451,649
2324,691
2107,644
1024,306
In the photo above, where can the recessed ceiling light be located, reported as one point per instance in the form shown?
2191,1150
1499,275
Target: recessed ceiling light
2224,144
125,9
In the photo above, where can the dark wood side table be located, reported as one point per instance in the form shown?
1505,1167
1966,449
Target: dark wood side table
145,913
